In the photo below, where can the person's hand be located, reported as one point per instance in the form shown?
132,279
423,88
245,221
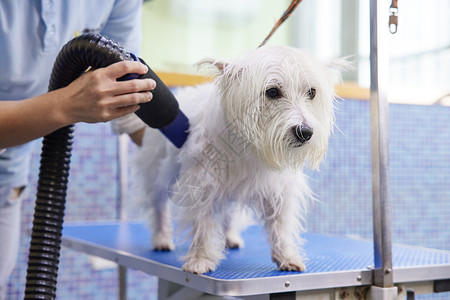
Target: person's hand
96,96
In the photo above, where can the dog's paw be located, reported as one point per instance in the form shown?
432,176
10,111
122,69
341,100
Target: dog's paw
163,243
199,265
290,264
164,247
234,241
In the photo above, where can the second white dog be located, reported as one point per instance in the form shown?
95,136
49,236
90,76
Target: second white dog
266,116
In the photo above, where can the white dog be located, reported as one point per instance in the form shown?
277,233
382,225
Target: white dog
252,131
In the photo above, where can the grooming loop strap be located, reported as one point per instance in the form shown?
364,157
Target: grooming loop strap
283,18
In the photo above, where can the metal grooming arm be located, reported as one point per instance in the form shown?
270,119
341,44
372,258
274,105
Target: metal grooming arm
379,120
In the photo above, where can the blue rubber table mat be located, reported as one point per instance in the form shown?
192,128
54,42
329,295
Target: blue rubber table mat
325,255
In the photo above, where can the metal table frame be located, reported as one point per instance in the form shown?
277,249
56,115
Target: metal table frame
336,265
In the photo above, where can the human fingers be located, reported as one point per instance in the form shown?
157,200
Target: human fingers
123,111
130,99
109,110
122,68
133,86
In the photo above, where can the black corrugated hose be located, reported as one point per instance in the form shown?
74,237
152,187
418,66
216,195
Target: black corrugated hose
90,50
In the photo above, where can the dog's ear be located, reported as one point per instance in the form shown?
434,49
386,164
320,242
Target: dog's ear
335,67
217,67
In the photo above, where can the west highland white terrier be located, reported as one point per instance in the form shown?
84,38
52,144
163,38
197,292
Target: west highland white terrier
264,118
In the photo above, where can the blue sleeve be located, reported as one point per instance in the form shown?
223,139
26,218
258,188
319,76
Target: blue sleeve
124,24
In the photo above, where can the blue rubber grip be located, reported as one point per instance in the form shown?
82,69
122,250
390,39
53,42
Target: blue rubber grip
178,130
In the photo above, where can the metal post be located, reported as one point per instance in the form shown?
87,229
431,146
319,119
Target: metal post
123,176
379,116
123,187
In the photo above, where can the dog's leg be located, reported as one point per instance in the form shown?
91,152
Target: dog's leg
154,167
237,219
207,244
283,229
233,232
162,239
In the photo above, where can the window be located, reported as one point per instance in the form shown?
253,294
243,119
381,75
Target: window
177,33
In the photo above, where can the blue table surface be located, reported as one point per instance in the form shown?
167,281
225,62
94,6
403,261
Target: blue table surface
324,253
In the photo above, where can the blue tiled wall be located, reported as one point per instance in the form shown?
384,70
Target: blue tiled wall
419,170
420,192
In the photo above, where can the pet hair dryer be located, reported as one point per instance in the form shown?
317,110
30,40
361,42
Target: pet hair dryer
163,111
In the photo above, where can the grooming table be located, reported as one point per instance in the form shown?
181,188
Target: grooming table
335,265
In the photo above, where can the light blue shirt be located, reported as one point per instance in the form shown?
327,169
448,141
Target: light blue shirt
31,34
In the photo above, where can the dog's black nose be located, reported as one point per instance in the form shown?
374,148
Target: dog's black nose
303,133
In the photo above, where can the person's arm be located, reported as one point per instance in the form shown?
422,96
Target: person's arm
130,124
95,96
137,136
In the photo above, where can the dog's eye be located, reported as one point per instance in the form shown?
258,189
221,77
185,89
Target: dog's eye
311,93
273,93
